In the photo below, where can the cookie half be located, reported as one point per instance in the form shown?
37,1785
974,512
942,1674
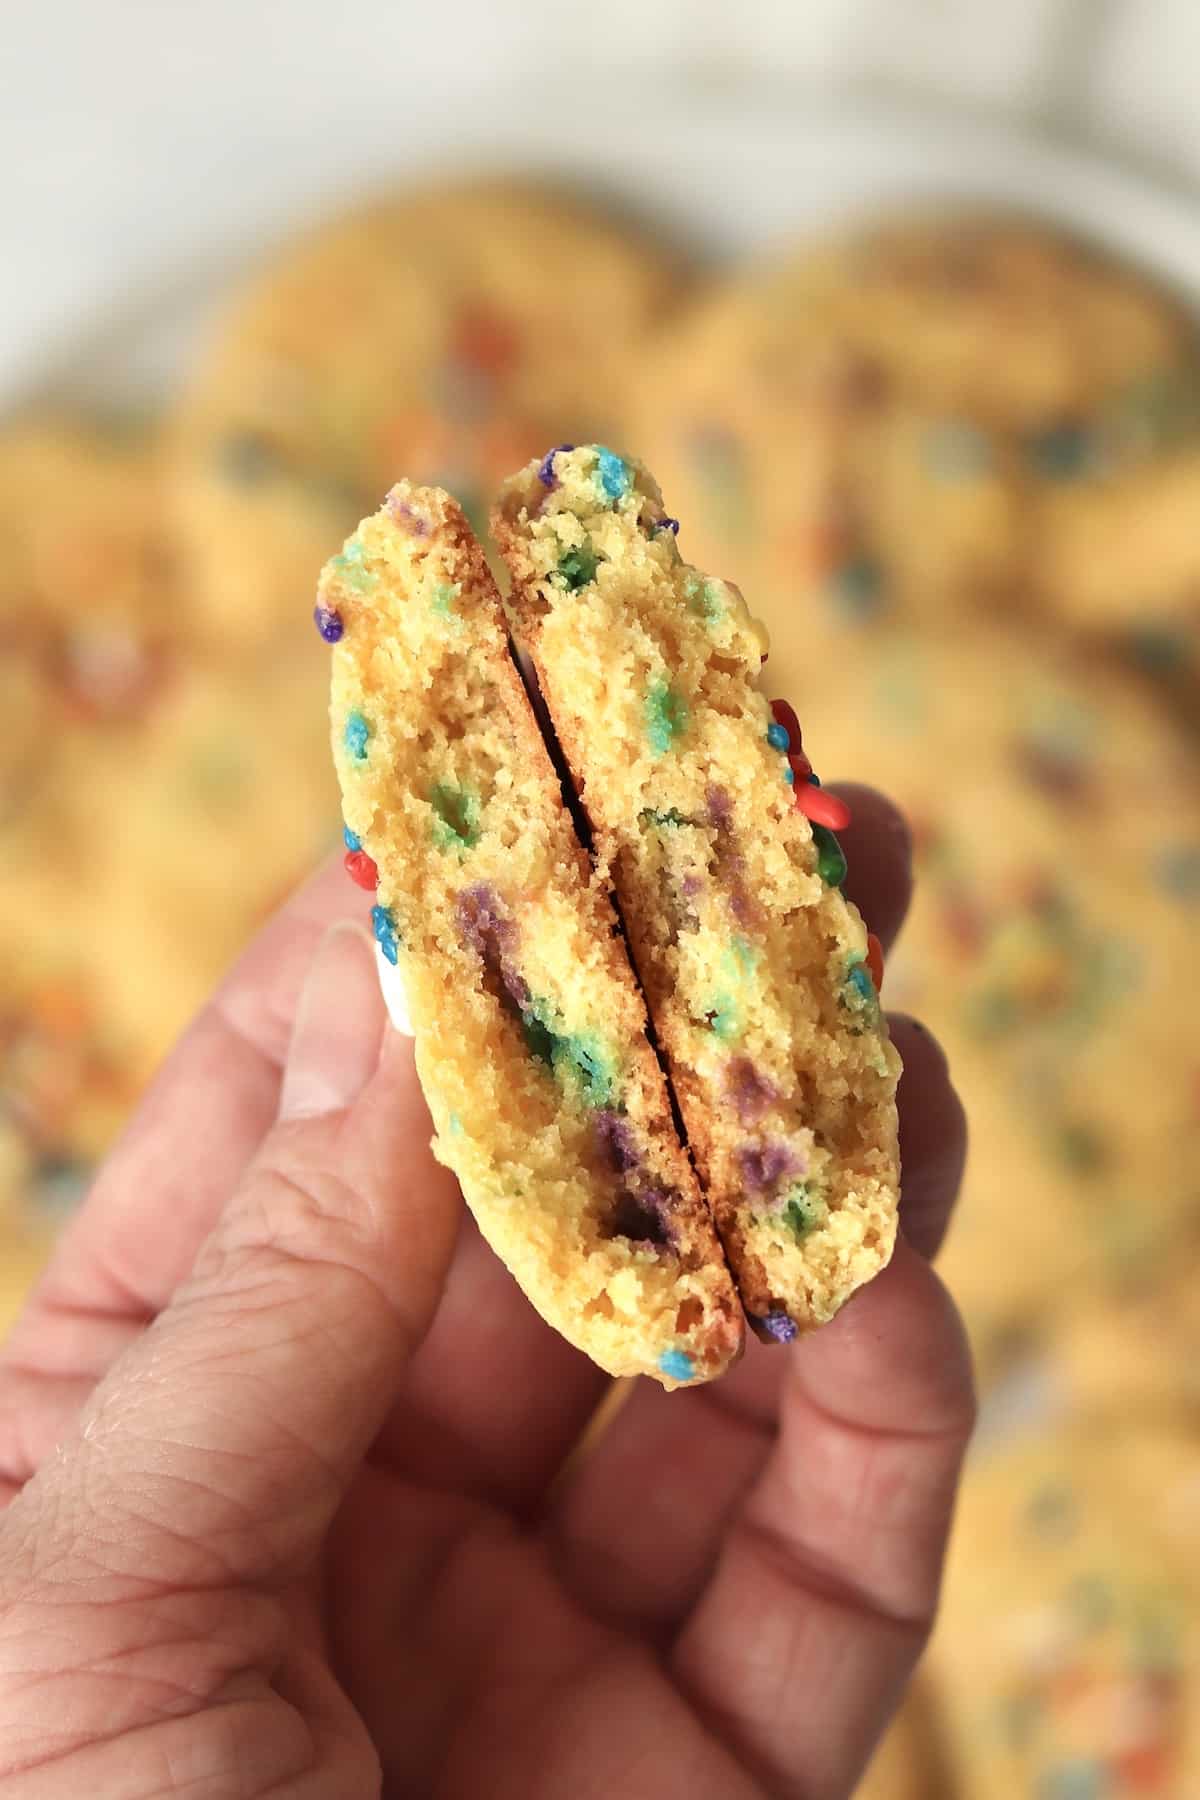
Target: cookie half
548,1100
754,965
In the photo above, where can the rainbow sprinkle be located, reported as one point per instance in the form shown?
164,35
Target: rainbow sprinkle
383,924
676,1365
355,735
329,622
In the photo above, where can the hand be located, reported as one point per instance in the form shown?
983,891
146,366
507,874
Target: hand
279,1441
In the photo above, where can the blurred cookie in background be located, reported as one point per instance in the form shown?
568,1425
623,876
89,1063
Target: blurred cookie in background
883,428
908,1763
1067,1652
447,336
88,614
1051,943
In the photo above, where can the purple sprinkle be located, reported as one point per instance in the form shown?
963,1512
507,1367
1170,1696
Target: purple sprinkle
720,807
492,936
779,1326
329,622
750,1091
405,513
763,1166
617,1138
546,473
668,525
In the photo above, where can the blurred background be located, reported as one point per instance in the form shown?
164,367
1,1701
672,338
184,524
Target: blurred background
899,302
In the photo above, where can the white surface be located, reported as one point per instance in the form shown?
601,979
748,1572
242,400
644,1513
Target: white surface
735,180
395,996
145,142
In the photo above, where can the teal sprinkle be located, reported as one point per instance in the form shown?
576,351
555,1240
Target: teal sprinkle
383,924
1063,452
666,716
1077,1779
789,776
955,450
456,817
444,595
614,477
1158,649
351,839
355,735
858,978
577,567
676,1365
831,860
777,736
858,587
1177,870
722,1018
350,567
454,1125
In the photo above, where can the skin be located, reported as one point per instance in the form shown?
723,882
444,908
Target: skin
282,1446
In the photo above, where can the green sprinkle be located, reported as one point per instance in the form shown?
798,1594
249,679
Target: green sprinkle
661,820
742,957
350,567
831,862
578,1059
721,1017
804,1211
704,597
666,716
444,595
456,821
577,567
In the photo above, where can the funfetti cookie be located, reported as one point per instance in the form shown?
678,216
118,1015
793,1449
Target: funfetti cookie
547,1099
437,332
1056,821
884,427
1067,1651
759,975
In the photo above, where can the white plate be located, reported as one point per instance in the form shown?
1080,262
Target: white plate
728,176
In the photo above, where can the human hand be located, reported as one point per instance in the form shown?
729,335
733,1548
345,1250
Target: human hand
279,1441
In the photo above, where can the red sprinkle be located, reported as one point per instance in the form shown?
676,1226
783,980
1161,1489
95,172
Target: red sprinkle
784,715
359,866
875,960
819,806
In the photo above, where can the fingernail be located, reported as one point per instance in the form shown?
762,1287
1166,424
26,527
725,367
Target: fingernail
395,995
335,1037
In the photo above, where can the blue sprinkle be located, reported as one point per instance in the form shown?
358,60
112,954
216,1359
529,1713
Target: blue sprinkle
777,736
351,839
613,474
676,1365
355,736
671,525
859,587
546,467
789,775
383,924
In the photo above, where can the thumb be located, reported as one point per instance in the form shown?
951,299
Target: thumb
225,1438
